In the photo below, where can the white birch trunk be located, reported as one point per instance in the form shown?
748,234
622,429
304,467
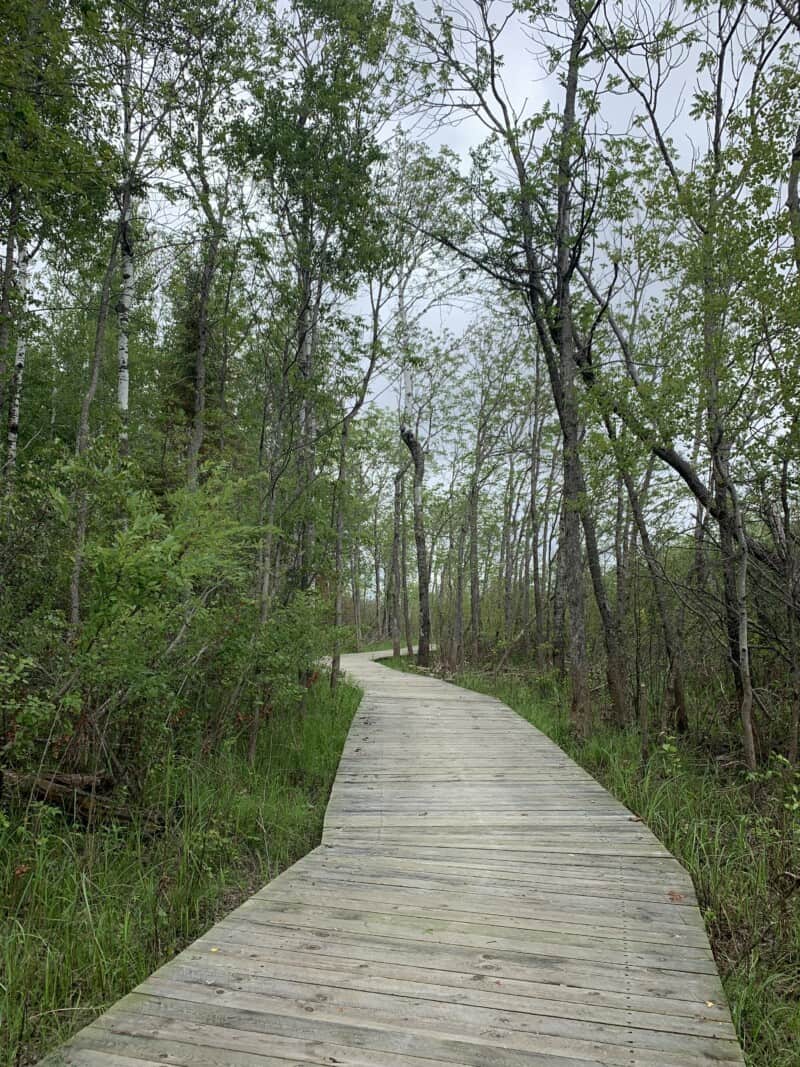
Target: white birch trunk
123,320
6,285
19,370
126,260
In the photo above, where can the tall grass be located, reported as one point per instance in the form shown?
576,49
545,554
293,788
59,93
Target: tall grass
738,836
88,915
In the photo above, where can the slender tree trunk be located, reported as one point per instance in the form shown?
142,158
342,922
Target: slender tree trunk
574,512
307,333
536,574
207,272
793,199
615,669
733,541
82,442
265,584
7,288
376,551
126,256
527,581
338,555
124,317
571,560
746,706
15,398
266,517
354,554
458,611
788,538
578,513
474,573
576,503
547,576
620,556
697,573
404,572
486,569
560,604
423,576
441,603
533,581
507,557
226,345
397,581
675,686
563,381
53,411
559,347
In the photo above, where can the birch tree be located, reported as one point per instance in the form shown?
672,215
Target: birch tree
15,397
142,46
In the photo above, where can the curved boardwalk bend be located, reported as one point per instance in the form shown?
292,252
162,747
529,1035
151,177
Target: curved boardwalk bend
478,900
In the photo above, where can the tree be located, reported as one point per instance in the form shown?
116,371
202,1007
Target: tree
544,202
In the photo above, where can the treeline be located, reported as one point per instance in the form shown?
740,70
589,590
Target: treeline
221,254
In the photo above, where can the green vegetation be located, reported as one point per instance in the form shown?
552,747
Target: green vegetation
88,914
402,663
278,379
373,646
737,834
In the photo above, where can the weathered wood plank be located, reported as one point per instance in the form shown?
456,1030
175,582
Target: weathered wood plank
658,1013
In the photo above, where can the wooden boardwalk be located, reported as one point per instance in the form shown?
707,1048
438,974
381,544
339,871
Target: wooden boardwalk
478,900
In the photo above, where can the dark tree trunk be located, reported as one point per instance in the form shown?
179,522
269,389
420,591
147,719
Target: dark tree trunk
208,269
423,576
397,591
338,560
404,571
474,575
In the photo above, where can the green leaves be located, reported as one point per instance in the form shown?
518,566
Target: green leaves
311,138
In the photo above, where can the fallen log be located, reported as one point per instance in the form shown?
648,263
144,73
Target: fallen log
83,796
45,781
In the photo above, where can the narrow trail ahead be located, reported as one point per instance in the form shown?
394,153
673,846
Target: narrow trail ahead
477,900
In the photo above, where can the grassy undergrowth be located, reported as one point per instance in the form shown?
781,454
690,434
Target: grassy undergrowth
401,663
87,916
738,838
374,646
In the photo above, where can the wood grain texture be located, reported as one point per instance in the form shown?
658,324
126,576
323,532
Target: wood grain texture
477,900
